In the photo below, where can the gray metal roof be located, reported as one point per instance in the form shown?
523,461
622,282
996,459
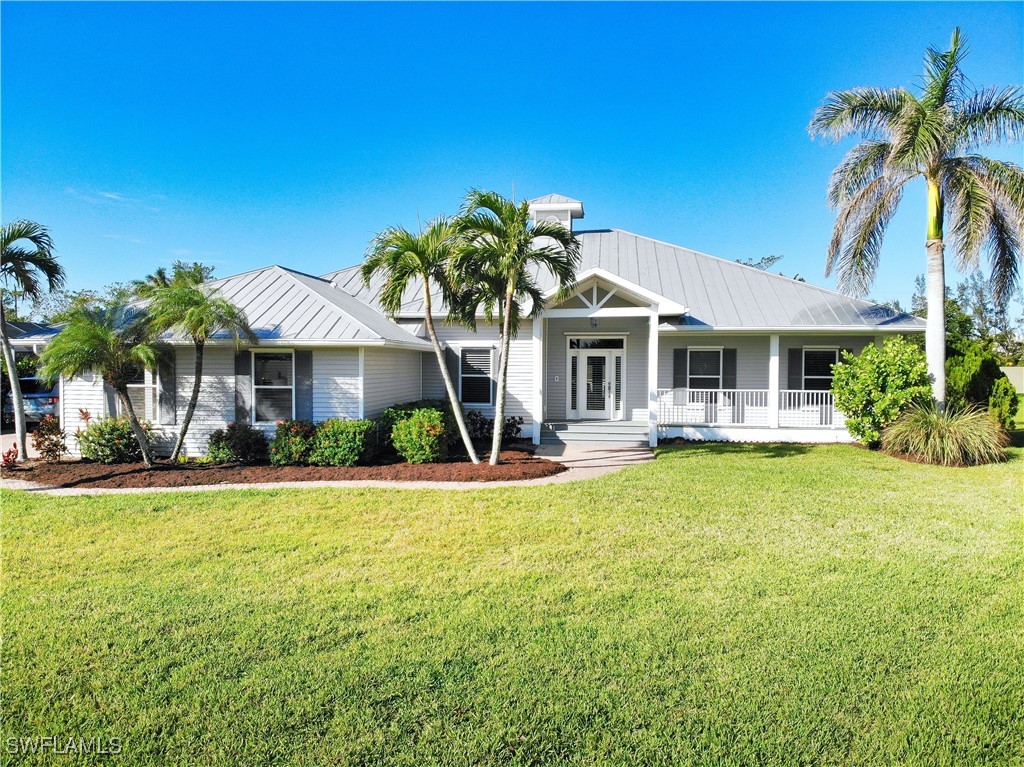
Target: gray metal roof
554,199
284,305
718,293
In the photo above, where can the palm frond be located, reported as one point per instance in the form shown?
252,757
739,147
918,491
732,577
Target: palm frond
861,165
870,112
1004,252
943,78
26,269
859,232
969,207
992,116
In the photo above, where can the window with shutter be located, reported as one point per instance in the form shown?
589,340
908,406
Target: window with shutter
704,368
818,368
475,376
273,386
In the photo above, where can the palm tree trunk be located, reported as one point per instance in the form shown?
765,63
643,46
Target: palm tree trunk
192,402
935,331
133,419
18,401
499,406
449,387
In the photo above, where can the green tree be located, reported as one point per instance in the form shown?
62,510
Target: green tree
932,136
178,303
405,258
501,250
111,342
27,264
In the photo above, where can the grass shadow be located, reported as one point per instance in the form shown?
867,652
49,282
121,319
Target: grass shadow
753,449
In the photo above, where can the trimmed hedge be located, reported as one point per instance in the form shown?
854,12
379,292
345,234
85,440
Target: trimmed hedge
292,443
111,440
239,443
421,437
342,443
386,421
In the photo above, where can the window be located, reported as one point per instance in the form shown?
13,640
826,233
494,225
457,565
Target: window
142,391
818,368
475,378
597,343
704,370
273,389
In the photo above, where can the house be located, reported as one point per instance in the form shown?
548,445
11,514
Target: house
657,341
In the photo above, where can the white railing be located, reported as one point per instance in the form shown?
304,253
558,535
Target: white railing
713,407
747,407
809,408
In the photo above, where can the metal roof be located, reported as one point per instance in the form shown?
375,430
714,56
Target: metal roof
719,293
555,199
284,305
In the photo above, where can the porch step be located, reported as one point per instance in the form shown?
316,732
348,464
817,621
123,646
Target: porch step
616,433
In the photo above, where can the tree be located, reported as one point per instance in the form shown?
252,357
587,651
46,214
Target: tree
24,268
765,263
58,305
178,303
403,258
931,136
502,247
111,342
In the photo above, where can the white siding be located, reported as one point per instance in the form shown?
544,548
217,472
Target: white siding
519,393
751,357
216,406
336,383
390,376
76,394
635,392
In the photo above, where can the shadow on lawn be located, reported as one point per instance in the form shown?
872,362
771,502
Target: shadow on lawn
753,449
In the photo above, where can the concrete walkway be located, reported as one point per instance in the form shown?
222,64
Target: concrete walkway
8,440
583,462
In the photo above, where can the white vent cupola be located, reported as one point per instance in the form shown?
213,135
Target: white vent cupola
556,207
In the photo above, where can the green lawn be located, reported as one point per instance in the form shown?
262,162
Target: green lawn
723,605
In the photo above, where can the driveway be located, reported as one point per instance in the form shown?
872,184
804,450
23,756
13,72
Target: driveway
7,441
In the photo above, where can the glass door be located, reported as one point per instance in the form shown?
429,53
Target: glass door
597,392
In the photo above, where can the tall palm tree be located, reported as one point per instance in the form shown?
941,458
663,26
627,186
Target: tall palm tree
178,303
24,268
933,135
501,249
403,258
111,342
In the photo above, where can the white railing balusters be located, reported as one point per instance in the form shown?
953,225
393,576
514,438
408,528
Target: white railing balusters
746,407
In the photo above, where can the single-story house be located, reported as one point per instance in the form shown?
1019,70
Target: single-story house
658,341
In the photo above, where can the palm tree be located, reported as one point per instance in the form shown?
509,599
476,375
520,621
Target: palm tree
403,257
111,342
178,303
501,249
933,135
24,268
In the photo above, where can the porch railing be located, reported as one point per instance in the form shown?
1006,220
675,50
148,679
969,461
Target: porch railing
747,407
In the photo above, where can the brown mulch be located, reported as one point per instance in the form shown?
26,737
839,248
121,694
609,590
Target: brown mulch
515,465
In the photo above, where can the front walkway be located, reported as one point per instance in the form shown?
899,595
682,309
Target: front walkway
583,462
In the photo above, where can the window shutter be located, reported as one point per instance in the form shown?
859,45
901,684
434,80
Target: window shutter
166,402
451,361
110,400
795,374
304,384
495,357
728,368
679,368
243,386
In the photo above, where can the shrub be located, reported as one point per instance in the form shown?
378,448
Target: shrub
292,443
386,421
9,458
421,438
877,386
481,428
342,443
950,437
49,439
238,443
111,440
1003,402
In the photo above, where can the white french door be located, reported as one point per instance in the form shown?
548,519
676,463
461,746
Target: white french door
595,378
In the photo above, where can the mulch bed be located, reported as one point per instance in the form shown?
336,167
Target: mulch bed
515,465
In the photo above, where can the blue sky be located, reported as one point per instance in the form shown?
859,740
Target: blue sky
246,134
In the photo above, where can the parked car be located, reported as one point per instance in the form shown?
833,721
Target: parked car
41,400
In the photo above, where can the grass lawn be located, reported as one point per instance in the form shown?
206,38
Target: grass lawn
723,605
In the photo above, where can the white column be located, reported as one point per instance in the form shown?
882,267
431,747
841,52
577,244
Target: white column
652,378
538,378
773,382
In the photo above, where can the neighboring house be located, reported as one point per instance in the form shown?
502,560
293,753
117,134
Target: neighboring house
657,341
1016,376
